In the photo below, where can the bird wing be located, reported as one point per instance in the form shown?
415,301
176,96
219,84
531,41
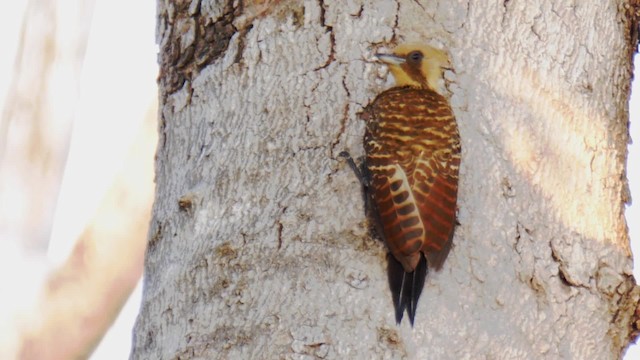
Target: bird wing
397,210
435,188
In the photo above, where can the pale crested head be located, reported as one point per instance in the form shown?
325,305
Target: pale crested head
416,65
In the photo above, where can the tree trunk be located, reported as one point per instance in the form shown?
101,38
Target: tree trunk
259,247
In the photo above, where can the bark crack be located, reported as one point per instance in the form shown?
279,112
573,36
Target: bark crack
332,37
395,22
343,119
417,2
280,227
505,12
627,311
563,271
156,237
358,14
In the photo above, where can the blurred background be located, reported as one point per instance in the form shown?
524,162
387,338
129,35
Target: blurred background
78,104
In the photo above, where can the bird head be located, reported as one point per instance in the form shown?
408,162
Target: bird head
416,65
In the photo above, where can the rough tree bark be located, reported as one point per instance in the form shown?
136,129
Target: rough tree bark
259,246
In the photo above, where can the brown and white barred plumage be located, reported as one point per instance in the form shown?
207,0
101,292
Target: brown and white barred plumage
412,159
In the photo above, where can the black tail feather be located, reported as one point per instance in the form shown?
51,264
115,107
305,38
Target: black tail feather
406,287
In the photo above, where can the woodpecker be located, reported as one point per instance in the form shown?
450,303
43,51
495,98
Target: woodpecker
410,170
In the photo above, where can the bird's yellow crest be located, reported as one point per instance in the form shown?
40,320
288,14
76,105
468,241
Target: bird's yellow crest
416,65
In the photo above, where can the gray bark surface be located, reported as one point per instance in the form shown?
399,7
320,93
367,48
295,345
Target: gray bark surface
259,247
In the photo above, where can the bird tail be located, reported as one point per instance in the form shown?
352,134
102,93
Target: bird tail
406,287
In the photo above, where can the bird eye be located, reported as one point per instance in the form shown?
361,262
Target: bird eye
415,56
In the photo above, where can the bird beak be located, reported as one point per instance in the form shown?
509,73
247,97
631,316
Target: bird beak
390,59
